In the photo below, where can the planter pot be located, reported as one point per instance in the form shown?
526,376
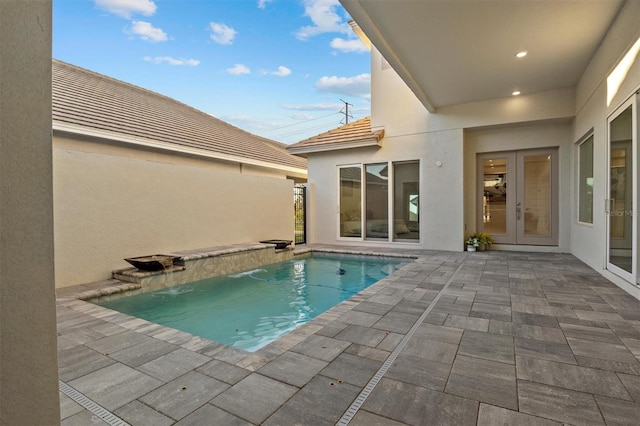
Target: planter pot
482,247
471,248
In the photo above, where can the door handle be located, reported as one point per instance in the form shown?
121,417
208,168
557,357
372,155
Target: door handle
518,211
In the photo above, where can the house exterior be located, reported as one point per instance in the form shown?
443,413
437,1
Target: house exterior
467,134
136,173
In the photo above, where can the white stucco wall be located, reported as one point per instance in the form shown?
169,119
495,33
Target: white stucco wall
588,242
113,202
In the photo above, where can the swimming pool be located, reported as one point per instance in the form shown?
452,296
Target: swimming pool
249,310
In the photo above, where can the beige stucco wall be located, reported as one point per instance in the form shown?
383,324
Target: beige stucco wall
113,202
588,242
28,356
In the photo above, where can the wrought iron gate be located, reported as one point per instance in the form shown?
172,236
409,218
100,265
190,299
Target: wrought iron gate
299,210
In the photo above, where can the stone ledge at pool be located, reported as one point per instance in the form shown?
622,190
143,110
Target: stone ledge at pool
196,265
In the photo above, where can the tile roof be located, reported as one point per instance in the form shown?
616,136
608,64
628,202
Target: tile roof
112,108
352,135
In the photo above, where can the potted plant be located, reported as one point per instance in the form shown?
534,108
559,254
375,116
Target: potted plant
472,243
480,240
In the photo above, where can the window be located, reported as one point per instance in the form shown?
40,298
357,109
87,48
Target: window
585,181
406,207
389,204
350,202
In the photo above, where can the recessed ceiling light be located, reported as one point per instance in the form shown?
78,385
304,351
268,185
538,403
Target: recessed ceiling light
515,93
521,54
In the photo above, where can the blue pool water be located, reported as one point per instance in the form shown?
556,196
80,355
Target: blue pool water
250,309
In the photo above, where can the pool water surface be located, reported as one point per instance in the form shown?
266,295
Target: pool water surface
251,309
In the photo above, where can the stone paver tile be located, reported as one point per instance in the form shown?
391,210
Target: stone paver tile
461,309
321,402
495,298
534,319
602,350
137,413
490,415
367,352
414,370
632,383
185,394
68,407
174,364
573,377
348,368
491,311
617,412
293,368
625,330
359,318
224,371
603,364
115,385
598,316
84,418
80,360
321,347
439,333
485,381
210,415
551,311
397,322
430,350
390,342
494,347
265,395
372,308
143,352
415,405
515,298
116,342
589,333
545,350
362,335
562,405
436,318
633,345
467,323
365,418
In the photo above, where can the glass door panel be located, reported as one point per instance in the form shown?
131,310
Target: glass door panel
377,201
350,202
621,202
496,201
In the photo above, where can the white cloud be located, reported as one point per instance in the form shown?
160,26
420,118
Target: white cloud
263,3
354,45
324,17
313,107
172,61
221,33
147,32
359,85
239,69
127,8
281,72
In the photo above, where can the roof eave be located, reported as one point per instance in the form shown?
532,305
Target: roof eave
74,129
332,146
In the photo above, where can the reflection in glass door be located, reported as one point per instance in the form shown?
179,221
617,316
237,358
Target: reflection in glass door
518,196
621,204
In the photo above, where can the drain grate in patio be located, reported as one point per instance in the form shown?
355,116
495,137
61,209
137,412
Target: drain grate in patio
96,409
364,394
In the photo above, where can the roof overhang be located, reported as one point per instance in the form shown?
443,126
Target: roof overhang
457,52
335,146
77,130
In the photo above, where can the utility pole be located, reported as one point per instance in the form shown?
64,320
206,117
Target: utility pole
346,113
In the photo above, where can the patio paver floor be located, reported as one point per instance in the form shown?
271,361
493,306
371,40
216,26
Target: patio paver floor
513,338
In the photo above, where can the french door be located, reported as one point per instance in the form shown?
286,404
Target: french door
622,203
518,196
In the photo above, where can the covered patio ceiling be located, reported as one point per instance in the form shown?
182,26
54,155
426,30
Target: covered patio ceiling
460,51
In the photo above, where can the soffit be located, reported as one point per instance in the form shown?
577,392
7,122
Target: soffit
455,52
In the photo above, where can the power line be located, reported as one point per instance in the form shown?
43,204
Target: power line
302,122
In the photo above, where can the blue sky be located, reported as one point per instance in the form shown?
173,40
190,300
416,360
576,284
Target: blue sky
276,68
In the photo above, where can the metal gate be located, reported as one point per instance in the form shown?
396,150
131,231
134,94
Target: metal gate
299,210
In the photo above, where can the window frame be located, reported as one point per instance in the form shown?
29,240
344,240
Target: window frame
587,138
